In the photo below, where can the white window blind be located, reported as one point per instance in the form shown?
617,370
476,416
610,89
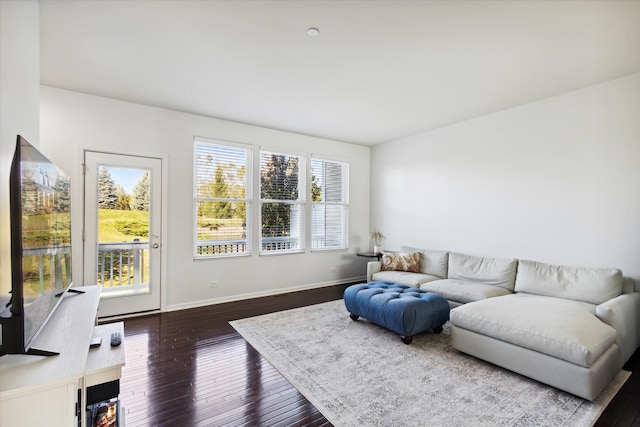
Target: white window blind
330,204
281,203
222,197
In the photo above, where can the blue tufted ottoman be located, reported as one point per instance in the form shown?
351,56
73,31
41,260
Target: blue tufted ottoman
399,308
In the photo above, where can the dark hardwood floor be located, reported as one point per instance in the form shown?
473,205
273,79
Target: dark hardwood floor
190,368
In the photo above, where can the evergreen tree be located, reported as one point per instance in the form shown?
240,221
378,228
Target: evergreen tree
107,191
123,200
141,194
60,226
239,191
228,182
61,203
220,189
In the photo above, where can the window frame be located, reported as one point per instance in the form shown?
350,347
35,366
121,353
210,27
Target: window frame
344,203
300,202
247,200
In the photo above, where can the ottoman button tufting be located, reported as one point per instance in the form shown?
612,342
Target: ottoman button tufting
399,308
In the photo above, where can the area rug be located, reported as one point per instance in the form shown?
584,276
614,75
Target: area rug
359,374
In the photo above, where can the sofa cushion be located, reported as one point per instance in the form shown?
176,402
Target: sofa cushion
490,271
403,277
592,285
462,291
432,262
562,328
401,261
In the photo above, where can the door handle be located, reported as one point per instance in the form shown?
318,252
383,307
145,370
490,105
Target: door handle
156,246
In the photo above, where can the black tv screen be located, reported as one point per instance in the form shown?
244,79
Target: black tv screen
40,205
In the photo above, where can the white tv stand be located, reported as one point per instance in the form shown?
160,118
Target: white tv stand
38,390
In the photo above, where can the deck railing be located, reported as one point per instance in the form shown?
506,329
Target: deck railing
52,263
119,264
218,247
122,263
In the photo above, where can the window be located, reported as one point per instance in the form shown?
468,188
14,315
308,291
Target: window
222,197
282,193
224,208
329,209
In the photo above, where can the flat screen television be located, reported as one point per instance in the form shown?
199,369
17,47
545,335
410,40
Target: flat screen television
40,208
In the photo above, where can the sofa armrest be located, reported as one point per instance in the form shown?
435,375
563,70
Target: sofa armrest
623,314
372,268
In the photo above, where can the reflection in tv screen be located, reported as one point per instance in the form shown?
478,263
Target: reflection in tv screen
46,236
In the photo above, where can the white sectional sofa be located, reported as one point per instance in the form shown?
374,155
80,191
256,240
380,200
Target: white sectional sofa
572,328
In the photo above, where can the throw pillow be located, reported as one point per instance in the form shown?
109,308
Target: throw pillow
409,262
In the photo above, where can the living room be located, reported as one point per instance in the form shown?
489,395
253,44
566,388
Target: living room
549,175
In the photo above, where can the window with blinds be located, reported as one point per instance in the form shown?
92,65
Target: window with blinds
282,192
330,204
222,197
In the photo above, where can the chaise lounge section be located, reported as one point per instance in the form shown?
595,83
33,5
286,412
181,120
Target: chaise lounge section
572,328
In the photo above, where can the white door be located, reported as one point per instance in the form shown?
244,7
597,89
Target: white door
122,241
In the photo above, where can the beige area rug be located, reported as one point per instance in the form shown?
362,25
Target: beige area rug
359,374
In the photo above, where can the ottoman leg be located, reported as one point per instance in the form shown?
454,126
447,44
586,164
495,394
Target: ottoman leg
353,316
406,340
438,329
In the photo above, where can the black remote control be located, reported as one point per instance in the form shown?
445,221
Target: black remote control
116,339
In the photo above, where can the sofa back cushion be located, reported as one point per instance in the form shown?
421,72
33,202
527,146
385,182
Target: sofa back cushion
490,271
592,285
432,262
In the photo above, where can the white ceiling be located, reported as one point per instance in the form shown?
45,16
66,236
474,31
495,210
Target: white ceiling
378,70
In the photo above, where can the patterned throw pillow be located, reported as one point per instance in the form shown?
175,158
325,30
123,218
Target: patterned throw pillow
409,262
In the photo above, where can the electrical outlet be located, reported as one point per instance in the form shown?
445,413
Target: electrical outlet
333,269
213,284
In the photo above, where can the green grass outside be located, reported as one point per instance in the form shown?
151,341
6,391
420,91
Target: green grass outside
123,226
111,221
218,228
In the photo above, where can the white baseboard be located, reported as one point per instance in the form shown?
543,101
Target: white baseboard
109,319
240,297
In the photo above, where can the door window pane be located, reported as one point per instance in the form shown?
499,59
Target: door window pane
123,230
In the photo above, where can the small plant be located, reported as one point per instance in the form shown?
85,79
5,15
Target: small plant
377,237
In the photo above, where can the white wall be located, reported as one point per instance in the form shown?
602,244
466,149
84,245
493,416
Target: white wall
19,103
72,121
556,181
